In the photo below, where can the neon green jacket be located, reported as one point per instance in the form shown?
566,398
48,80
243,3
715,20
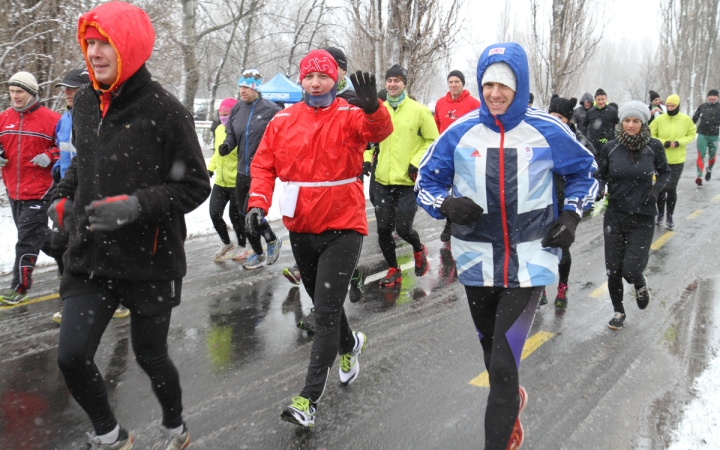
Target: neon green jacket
680,128
225,167
414,131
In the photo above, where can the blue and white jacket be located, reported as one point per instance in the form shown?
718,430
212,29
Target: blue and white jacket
63,131
505,164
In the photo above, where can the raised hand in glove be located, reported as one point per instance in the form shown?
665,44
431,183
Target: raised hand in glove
366,91
253,219
461,211
367,168
562,232
111,213
412,172
651,196
41,160
224,149
61,213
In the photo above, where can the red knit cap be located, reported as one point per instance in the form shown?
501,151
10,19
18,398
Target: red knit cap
93,33
319,61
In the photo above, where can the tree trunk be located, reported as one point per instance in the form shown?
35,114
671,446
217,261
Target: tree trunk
192,77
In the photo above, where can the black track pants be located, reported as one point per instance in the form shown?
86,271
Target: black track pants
220,197
627,248
395,208
564,266
502,320
84,319
669,194
326,262
242,188
33,234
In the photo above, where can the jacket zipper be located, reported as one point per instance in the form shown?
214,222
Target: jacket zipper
503,210
17,185
247,130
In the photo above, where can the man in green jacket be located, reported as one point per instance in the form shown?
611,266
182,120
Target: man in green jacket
396,171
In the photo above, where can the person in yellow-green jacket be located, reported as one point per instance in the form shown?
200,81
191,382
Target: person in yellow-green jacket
224,168
675,130
414,129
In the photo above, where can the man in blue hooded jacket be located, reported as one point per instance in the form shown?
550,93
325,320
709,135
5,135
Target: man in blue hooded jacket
498,162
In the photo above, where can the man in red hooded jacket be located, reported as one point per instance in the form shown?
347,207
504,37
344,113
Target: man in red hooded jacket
138,170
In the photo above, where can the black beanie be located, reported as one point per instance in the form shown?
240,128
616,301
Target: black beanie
713,92
600,91
397,71
457,73
339,57
654,95
562,106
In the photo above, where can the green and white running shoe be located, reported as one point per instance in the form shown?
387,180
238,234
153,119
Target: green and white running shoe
349,364
300,412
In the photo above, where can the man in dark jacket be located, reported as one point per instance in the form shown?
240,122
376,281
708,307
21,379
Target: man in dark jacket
138,170
245,129
599,126
345,89
578,117
708,114
656,106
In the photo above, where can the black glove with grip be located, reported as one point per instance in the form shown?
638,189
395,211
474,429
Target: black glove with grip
366,91
367,168
253,219
224,149
412,172
651,196
562,232
111,213
461,211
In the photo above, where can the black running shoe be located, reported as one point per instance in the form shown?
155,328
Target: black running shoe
642,296
707,175
616,323
308,323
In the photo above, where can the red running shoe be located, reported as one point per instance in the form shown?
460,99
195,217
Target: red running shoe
698,181
518,436
421,262
393,277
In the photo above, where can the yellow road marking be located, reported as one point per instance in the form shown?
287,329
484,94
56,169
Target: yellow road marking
662,240
716,198
31,301
533,343
600,291
695,214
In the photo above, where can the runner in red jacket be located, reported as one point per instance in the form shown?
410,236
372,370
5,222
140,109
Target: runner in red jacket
316,148
27,153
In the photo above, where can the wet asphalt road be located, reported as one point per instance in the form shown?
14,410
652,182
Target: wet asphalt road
241,357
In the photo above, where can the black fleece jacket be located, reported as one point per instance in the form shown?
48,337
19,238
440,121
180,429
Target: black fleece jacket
708,114
144,146
629,175
600,124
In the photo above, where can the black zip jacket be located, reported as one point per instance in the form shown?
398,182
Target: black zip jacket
144,146
600,124
709,117
629,175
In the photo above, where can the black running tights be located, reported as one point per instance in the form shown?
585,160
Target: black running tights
84,319
220,197
669,194
395,209
326,262
502,320
564,266
627,249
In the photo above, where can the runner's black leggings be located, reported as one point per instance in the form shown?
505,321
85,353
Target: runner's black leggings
395,208
627,249
564,266
220,197
242,188
502,320
669,194
84,319
326,262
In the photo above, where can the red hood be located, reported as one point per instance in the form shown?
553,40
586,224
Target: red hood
462,96
130,32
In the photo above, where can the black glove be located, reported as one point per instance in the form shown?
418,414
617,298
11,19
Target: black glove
461,211
253,219
111,213
224,149
651,196
56,173
677,144
61,213
211,173
412,172
562,232
667,144
366,91
367,168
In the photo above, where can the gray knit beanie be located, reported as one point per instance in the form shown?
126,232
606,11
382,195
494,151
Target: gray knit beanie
25,81
636,109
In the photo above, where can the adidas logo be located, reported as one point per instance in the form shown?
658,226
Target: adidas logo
475,154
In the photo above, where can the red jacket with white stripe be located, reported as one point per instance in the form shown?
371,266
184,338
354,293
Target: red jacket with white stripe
24,136
306,144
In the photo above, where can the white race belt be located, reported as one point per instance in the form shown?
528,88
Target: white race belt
288,198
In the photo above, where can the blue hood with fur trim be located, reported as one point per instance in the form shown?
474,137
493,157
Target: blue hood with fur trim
513,55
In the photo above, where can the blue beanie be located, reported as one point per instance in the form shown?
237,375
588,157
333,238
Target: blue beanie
250,78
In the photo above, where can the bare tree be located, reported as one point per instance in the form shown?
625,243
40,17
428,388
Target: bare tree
561,44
